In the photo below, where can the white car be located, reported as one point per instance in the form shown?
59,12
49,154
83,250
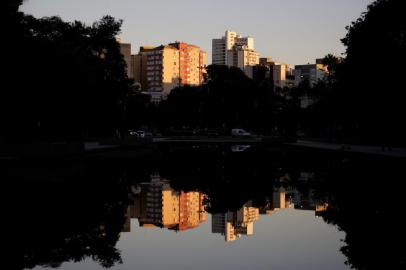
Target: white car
239,132
137,133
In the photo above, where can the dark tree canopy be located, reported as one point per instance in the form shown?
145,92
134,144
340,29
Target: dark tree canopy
63,81
364,97
374,66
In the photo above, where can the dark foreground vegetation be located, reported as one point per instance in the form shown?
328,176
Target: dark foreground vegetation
67,82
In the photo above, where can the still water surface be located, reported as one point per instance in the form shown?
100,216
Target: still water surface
209,209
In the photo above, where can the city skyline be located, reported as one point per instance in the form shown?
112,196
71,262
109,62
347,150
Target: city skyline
295,33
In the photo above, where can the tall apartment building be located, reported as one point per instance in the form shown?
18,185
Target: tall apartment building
139,62
234,50
192,63
220,46
160,69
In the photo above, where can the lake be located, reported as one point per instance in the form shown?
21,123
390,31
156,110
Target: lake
207,207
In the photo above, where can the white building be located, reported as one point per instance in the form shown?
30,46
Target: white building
243,58
220,46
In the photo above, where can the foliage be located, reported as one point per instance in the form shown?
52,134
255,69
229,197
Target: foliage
63,80
362,100
371,85
228,99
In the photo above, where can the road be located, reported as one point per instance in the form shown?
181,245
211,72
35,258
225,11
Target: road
364,149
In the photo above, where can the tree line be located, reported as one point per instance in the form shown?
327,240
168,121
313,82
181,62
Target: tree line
68,81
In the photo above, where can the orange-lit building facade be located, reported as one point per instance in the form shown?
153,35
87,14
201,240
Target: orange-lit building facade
158,205
192,61
163,68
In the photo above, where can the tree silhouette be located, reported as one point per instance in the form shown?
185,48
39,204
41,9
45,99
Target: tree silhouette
371,84
63,81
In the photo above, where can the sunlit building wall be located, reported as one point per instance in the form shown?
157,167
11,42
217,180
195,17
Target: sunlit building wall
243,58
220,46
161,206
283,75
170,207
189,207
247,214
192,63
163,69
230,234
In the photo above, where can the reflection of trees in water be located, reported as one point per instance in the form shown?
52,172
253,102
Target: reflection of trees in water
363,194
72,218
81,216
367,206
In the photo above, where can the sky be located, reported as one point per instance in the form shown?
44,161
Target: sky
289,31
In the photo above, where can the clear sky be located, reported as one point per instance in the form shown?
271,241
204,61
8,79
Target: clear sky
290,31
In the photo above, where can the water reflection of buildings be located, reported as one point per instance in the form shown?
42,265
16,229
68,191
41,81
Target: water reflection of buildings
235,224
156,204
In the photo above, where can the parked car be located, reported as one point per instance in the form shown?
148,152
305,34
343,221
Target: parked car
139,133
132,132
239,132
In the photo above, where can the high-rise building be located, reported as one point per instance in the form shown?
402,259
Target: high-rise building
236,51
220,46
160,69
192,63
139,62
243,58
